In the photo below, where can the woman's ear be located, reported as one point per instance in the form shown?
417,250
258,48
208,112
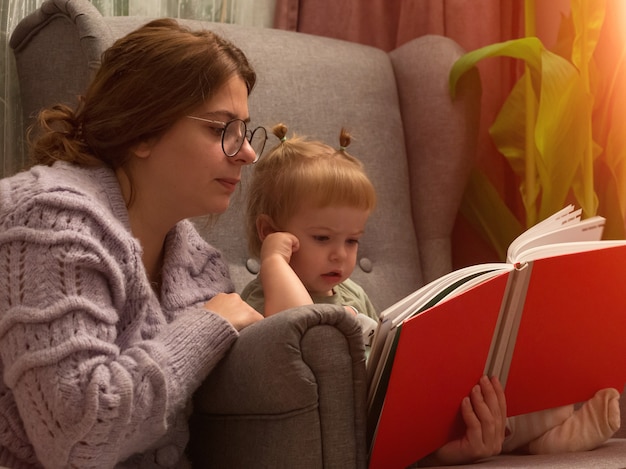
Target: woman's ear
142,150
265,226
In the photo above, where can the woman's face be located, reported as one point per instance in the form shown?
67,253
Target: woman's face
185,172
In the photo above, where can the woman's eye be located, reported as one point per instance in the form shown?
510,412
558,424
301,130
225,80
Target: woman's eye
217,130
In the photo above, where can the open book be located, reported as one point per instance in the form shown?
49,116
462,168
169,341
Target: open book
550,323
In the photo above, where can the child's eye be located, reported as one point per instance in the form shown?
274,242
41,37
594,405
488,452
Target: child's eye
320,238
352,241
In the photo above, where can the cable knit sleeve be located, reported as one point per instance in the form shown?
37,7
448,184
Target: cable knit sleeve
99,369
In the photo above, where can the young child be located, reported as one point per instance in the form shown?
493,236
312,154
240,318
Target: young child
308,207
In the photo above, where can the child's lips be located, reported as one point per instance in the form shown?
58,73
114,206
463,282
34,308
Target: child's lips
332,275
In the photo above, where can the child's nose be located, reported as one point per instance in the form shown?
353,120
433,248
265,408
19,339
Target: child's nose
338,253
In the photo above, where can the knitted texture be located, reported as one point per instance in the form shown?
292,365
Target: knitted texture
96,369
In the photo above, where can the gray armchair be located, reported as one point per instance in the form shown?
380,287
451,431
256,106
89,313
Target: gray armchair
291,392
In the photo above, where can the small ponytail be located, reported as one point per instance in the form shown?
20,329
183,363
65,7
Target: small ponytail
280,130
344,139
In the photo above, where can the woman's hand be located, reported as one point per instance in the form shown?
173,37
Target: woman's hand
231,307
484,414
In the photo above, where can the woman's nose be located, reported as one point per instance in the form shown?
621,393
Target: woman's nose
246,154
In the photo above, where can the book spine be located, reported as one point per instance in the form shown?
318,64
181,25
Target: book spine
503,342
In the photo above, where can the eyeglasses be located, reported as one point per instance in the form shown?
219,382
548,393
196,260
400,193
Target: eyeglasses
233,134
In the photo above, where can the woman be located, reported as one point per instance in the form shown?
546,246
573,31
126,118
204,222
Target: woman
112,308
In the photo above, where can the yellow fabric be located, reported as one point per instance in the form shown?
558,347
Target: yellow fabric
559,128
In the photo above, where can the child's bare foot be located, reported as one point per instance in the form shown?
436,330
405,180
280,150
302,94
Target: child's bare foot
588,427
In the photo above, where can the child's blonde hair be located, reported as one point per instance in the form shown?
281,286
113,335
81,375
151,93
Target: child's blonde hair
298,170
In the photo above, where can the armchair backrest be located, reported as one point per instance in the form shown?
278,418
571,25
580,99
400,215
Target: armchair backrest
415,142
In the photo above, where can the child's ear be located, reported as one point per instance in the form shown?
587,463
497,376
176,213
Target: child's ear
265,226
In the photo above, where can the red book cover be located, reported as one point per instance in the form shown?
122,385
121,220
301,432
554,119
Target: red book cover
570,343
440,356
572,337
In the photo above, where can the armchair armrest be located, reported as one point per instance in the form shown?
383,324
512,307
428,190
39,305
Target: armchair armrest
291,391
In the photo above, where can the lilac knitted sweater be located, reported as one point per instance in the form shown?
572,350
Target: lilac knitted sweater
97,371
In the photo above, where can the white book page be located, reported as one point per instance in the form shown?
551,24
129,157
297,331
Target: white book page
565,215
589,229
534,235
550,250
480,273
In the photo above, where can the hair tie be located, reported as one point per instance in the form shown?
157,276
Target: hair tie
284,139
341,148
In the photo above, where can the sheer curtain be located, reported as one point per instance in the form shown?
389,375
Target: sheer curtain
249,12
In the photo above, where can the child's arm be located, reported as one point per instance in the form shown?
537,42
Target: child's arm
281,286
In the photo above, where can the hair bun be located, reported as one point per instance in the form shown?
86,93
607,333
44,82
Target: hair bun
280,130
344,139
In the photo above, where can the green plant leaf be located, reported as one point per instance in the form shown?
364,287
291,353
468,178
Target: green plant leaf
528,49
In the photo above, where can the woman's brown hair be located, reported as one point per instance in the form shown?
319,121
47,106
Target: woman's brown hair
147,80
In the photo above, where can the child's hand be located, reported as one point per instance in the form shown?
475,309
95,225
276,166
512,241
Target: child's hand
282,288
281,244
484,414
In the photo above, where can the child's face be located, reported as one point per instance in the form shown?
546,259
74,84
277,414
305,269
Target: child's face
329,241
